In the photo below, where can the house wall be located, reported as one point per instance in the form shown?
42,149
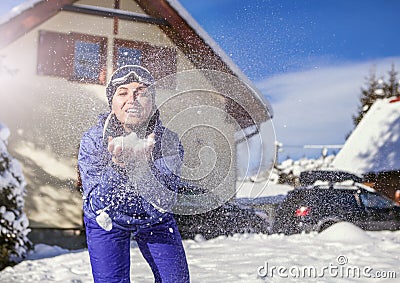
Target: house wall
48,115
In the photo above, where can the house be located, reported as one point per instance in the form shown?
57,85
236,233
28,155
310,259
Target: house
55,59
373,148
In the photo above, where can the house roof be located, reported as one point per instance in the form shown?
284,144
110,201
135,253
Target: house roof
27,16
171,17
374,145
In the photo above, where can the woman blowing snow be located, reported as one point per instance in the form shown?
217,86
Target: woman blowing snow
129,165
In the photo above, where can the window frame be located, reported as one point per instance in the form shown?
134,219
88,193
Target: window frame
55,49
102,41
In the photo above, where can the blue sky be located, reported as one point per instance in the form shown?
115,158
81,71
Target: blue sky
266,37
308,57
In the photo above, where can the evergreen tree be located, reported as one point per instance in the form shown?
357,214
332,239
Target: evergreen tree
373,91
391,88
376,89
13,222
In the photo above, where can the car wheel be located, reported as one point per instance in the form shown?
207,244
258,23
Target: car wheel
325,225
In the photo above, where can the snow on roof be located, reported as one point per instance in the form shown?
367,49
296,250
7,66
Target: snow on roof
374,146
218,50
17,10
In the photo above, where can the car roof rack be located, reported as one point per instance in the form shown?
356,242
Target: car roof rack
310,177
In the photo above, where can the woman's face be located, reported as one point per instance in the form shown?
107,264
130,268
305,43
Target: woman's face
132,104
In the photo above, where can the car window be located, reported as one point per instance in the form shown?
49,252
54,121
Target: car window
375,201
345,201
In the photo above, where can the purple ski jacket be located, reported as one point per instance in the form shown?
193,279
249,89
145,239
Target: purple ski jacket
132,199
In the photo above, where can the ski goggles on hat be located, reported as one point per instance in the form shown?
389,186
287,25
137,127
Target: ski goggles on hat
136,74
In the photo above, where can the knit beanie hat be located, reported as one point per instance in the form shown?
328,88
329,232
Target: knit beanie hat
125,75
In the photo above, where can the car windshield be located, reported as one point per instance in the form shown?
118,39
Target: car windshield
376,201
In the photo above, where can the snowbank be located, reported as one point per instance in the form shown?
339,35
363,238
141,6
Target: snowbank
239,258
345,233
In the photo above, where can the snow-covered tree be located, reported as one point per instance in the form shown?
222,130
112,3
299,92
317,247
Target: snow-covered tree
14,242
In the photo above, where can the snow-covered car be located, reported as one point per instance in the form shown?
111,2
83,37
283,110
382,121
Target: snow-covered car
325,202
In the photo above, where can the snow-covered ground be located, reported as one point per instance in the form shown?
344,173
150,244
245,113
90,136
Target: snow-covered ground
342,253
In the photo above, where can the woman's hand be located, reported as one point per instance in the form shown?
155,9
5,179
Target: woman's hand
130,149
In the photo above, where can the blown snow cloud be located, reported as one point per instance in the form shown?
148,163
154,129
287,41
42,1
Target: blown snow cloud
316,106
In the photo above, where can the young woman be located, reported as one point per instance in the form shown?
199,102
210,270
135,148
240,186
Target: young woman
129,165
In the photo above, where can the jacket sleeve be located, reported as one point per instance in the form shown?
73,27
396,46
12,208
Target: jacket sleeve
95,165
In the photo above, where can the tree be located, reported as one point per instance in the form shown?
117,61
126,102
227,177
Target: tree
392,88
372,92
376,89
14,242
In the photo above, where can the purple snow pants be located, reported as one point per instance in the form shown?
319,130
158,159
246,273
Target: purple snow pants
160,245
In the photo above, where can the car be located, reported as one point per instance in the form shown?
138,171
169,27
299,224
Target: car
323,201
227,219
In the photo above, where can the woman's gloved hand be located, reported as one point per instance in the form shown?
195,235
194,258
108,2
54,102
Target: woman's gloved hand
131,150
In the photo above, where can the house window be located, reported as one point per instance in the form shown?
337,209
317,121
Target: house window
159,60
86,60
74,56
128,56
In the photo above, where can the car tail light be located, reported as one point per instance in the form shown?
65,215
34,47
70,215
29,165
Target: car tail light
302,211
